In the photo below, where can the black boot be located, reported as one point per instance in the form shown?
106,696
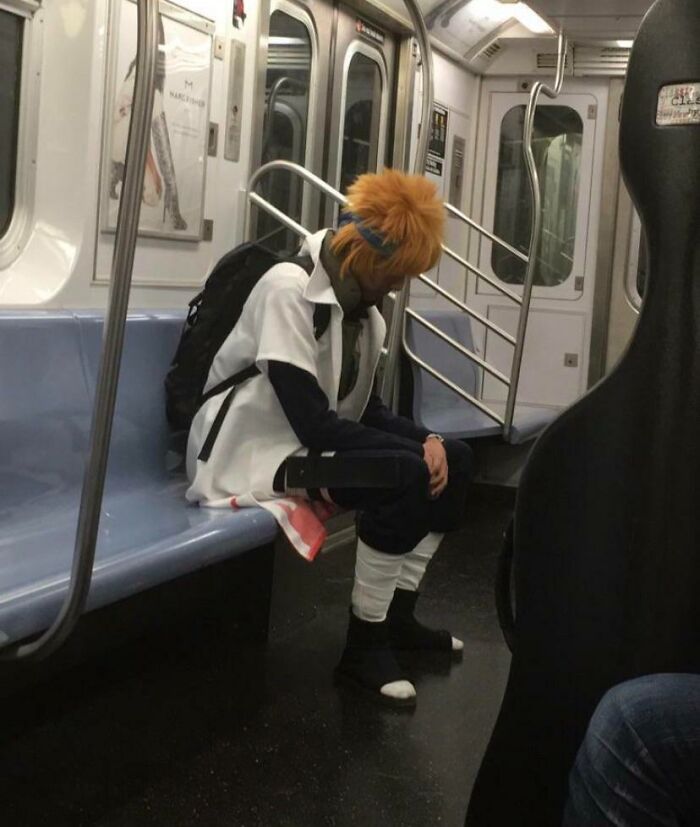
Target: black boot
405,632
369,664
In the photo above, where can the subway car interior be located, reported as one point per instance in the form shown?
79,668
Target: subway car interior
163,663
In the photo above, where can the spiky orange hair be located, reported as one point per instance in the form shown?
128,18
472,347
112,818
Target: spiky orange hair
405,211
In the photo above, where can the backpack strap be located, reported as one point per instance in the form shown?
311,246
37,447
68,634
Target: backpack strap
233,381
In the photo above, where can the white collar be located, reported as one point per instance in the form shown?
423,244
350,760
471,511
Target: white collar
319,289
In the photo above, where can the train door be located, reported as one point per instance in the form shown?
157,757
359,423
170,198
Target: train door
362,101
328,85
295,71
568,143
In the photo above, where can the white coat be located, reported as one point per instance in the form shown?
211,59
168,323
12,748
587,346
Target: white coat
276,325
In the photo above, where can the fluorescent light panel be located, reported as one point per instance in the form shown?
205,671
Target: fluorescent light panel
530,19
503,10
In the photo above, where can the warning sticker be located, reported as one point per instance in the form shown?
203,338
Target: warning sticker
433,166
370,32
679,104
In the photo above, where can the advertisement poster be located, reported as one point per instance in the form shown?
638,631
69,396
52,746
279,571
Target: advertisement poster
173,189
438,141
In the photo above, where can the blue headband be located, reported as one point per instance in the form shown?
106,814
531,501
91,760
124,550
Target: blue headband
375,240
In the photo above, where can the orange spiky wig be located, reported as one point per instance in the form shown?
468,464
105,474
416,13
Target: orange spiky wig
392,226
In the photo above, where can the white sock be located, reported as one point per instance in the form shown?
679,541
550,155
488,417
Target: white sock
416,562
376,574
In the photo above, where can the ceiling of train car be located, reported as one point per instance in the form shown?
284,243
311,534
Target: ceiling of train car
595,19
467,26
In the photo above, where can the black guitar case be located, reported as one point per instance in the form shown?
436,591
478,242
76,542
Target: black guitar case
607,520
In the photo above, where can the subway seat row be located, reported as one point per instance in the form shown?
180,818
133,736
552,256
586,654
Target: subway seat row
148,533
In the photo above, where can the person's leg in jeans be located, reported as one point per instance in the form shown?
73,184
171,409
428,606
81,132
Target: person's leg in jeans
639,765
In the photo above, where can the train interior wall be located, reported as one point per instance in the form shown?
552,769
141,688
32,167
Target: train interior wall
66,259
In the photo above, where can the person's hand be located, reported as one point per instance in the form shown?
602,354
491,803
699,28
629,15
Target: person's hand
436,460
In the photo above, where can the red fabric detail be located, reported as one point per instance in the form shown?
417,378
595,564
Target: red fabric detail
305,522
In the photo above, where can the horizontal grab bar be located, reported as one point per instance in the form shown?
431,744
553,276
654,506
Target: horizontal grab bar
288,222
458,347
496,240
473,313
448,383
480,274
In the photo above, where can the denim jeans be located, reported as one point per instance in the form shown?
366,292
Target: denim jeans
639,764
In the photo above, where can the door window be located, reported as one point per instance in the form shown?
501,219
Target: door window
287,85
11,29
361,119
557,142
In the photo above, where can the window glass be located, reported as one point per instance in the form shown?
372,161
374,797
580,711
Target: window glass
285,125
11,27
557,139
363,103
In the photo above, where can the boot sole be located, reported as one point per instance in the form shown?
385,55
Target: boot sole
342,680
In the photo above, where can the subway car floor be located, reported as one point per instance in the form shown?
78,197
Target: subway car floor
203,728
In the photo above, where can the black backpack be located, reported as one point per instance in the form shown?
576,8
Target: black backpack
211,317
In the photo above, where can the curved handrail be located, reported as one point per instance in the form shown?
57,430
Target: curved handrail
397,333
272,100
302,172
108,379
535,237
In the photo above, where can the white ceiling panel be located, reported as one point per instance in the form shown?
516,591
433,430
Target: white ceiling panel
461,24
595,19
595,8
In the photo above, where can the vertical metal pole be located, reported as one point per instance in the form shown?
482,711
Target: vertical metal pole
397,332
113,339
536,235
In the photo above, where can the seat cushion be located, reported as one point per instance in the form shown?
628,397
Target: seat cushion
148,533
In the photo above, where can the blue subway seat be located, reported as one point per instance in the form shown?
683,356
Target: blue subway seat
148,533
438,408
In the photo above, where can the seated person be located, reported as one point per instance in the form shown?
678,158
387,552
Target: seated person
316,397
639,765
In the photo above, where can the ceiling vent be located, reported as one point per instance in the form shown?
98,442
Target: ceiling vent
548,60
611,61
490,52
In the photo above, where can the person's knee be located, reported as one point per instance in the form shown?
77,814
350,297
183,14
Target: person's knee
460,458
624,711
